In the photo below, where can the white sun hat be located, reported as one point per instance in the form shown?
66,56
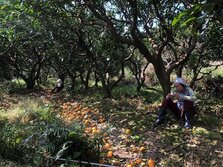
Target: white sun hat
180,80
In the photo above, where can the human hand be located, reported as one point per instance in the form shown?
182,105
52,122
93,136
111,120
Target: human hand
176,96
169,96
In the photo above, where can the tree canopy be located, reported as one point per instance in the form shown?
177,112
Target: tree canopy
85,38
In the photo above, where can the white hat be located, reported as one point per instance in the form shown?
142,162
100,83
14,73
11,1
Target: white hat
59,81
180,80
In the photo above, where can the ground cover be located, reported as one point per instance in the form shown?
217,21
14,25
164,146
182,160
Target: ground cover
122,127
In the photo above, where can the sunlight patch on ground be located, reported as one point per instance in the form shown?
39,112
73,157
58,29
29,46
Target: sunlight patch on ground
200,130
21,109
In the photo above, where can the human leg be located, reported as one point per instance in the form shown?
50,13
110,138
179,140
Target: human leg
54,90
189,113
166,104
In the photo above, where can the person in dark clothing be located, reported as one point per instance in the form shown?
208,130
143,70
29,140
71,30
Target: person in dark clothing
180,101
59,86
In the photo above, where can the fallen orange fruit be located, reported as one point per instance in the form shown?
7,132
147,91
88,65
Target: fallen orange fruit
129,165
138,160
110,154
142,149
107,146
151,163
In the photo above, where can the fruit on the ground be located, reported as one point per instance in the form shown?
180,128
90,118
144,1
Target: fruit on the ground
138,160
151,163
142,149
110,154
107,146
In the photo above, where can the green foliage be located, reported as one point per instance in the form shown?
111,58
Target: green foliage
11,86
72,48
36,132
202,13
11,142
218,73
189,14
128,90
152,96
210,120
210,135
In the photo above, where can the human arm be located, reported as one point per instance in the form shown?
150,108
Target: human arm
190,96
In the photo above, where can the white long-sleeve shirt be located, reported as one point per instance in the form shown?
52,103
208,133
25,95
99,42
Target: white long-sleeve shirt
188,94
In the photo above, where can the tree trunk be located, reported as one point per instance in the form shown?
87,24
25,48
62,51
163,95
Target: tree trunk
163,77
30,83
105,86
73,79
86,83
180,70
97,79
108,92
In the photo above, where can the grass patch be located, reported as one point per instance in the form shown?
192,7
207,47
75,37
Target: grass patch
208,134
209,120
30,129
25,107
126,90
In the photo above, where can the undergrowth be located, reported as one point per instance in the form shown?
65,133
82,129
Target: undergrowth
30,132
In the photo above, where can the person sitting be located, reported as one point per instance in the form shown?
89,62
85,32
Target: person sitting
180,102
59,86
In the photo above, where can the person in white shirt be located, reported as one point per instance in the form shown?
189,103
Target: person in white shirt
180,101
59,86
